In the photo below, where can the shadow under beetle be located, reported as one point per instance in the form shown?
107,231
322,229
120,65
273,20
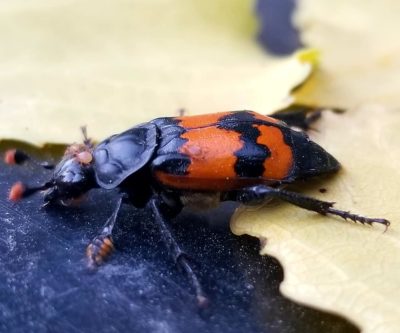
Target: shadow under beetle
168,163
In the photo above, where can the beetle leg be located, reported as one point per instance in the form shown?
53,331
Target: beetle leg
86,140
301,116
177,253
259,193
101,247
181,112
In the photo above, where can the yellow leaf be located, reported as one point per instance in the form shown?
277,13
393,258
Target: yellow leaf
348,269
360,51
113,64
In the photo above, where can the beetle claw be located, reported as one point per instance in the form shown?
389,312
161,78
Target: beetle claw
346,215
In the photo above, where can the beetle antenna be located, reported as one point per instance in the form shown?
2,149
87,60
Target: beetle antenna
19,190
18,157
86,140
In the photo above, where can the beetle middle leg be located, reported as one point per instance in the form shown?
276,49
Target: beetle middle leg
259,193
179,256
101,246
300,115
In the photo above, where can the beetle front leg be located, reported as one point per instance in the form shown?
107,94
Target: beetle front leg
177,253
101,247
259,193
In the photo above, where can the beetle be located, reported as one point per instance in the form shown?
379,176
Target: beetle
172,162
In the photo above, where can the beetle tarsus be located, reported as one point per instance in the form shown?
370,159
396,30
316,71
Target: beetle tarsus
183,263
99,250
102,246
358,218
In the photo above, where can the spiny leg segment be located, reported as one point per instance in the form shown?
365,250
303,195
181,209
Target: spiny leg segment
259,193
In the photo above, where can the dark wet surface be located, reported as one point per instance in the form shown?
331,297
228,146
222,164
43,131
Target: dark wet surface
46,287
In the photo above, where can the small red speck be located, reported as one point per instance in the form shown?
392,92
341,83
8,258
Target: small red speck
9,156
16,192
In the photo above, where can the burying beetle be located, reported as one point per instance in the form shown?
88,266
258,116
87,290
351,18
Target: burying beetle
171,162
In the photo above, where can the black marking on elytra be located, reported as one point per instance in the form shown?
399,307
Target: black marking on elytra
237,117
251,157
169,158
174,164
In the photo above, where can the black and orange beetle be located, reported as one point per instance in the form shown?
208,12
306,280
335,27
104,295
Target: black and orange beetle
171,162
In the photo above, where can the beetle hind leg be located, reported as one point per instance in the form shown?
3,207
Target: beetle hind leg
180,257
259,193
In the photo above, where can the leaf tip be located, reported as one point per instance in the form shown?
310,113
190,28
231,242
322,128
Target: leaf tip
311,56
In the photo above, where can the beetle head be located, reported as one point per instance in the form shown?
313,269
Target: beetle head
73,176
71,179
